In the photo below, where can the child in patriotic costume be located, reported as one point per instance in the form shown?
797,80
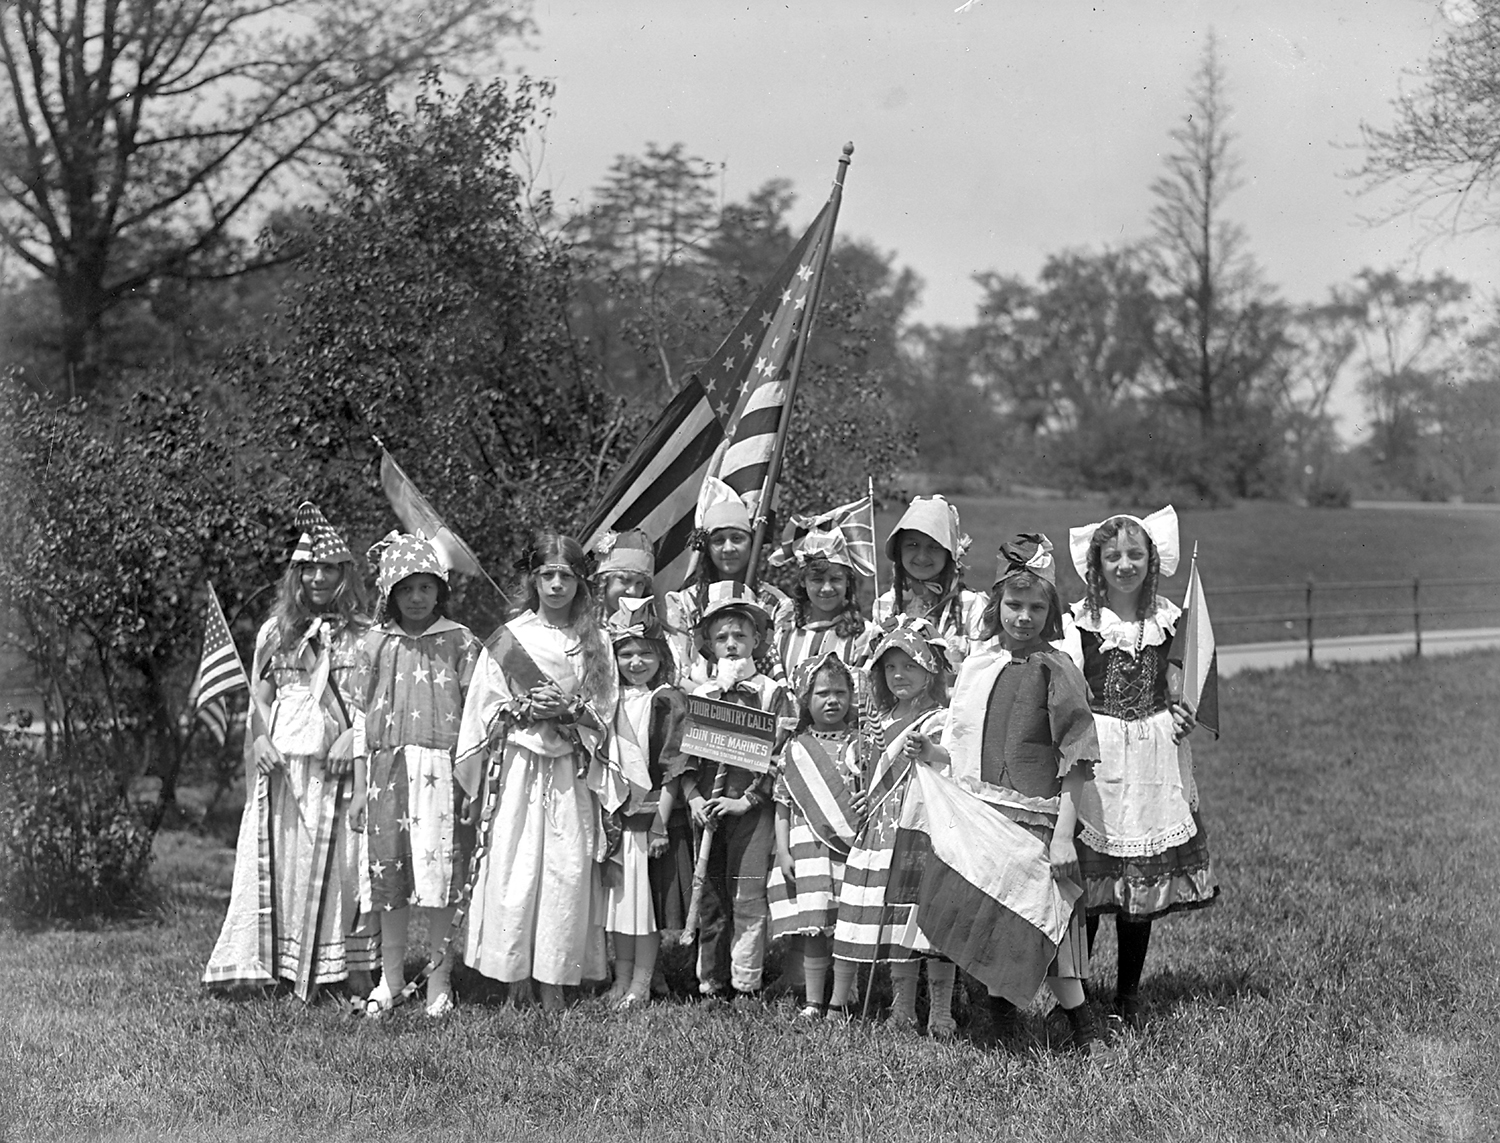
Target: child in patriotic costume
721,540
1144,848
734,802
294,910
627,566
415,666
1021,738
908,679
531,760
649,892
926,549
822,616
819,812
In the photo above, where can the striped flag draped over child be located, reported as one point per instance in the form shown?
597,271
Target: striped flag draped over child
724,420
220,671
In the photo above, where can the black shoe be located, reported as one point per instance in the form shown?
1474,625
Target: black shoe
1006,1021
1130,1010
1085,1030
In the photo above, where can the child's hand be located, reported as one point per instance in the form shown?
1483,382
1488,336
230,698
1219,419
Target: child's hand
788,869
548,701
1064,858
611,875
698,807
659,843
860,803
266,756
357,813
1184,718
341,754
469,814
728,807
916,746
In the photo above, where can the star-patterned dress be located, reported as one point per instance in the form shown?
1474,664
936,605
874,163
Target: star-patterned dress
294,909
412,690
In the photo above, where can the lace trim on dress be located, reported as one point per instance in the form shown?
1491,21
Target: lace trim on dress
1179,834
1116,634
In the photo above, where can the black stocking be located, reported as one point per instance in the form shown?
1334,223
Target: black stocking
1134,938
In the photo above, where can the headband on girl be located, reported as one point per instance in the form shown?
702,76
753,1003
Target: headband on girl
1029,552
319,543
634,618
1160,526
932,516
919,639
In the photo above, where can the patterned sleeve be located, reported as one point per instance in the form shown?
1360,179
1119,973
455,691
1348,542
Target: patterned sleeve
1072,721
489,691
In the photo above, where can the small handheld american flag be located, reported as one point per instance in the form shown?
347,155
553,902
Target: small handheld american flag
220,671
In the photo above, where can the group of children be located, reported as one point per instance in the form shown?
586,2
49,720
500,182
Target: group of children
533,795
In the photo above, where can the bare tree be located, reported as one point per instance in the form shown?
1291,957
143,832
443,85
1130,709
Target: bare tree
135,133
1444,145
1218,327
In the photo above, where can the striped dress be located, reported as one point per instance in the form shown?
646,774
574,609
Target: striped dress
810,905
868,928
815,639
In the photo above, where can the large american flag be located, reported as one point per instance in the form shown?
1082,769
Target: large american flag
220,672
723,421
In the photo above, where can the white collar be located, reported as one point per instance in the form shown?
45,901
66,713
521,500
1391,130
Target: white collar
1117,634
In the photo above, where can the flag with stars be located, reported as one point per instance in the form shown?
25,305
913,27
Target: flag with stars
724,420
220,671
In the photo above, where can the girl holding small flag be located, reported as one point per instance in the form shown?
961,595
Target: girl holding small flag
650,890
926,549
296,839
531,760
909,682
415,666
819,812
1143,847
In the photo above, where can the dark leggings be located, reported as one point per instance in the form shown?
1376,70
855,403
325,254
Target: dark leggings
1133,939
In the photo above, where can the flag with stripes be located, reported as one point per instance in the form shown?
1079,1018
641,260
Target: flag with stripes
820,792
1193,646
981,886
220,672
723,421
417,516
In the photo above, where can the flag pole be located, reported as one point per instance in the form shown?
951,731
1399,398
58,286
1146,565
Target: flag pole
778,447
875,543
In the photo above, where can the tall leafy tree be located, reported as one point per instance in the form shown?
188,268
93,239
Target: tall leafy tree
138,134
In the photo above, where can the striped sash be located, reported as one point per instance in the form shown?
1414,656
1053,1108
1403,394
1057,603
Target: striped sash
820,792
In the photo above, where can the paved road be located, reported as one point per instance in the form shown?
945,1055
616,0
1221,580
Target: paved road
1352,649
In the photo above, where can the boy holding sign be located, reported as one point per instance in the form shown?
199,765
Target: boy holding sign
735,724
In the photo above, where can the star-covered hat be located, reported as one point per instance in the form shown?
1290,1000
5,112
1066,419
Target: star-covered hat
1027,551
628,551
401,554
919,639
319,543
1161,526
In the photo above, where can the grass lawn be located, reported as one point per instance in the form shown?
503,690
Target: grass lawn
1344,987
1262,543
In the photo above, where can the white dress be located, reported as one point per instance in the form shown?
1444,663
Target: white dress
537,909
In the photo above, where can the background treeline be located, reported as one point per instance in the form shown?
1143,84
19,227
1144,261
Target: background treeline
208,317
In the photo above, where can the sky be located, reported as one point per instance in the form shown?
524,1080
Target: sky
989,137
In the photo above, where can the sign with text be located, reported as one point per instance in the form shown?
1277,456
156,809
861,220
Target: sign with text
726,732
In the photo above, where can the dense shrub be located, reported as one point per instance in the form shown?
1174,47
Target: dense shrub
71,844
